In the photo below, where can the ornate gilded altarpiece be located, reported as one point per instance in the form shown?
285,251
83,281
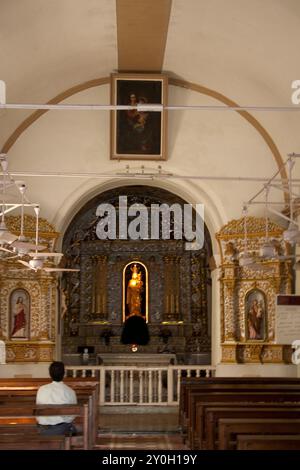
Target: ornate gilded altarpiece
238,284
179,284
41,288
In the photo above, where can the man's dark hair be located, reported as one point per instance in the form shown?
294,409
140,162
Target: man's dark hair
57,371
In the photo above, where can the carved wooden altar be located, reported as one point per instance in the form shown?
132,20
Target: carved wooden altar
41,287
272,277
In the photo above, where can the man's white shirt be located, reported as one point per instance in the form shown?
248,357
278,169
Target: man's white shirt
55,393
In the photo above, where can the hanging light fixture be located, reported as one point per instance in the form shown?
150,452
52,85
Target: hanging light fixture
267,250
5,236
245,259
292,234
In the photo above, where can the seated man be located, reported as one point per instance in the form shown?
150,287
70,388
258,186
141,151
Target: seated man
56,393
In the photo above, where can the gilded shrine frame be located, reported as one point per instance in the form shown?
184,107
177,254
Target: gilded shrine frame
145,287
248,293
19,314
256,315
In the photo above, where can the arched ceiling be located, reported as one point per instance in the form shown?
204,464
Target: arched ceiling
48,46
60,39
245,49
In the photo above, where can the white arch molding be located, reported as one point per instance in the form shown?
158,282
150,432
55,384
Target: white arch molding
214,215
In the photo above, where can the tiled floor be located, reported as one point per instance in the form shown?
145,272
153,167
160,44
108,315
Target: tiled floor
146,441
140,429
135,421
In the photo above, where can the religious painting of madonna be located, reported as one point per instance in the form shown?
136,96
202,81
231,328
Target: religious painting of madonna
19,314
138,134
255,315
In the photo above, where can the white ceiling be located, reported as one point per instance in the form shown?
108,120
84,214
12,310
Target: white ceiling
247,49
48,46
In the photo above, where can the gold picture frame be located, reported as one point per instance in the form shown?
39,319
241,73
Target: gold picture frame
256,315
19,314
141,293
138,135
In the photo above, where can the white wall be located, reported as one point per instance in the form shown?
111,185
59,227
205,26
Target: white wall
38,369
256,370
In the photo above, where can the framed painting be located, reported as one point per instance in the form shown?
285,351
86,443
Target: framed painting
255,315
19,314
138,134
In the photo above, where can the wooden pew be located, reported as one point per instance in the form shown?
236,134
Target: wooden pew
230,428
198,393
26,410
196,427
30,442
29,397
267,442
242,393
190,383
212,415
13,387
235,388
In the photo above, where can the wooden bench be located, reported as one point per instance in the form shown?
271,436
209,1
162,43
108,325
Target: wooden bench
28,397
212,415
19,411
204,425
194,383
188,383
277,393
196,426
25,413
230,428
30,442
84,388
199,394
267,442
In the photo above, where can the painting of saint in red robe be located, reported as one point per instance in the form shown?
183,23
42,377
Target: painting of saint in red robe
19,314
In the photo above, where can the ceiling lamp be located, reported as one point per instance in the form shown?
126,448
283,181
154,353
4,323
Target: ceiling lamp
245,259
292,234
36,263
5,236
267,250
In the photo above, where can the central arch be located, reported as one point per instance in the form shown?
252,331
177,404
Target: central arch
180,287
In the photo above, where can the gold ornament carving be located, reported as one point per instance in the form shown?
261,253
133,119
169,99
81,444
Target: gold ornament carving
256,227
46,229
229,353
236,281
29,352
42,288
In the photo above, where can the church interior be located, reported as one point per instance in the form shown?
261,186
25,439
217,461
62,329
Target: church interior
149,232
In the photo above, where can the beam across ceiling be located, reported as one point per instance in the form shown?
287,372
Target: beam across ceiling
142,30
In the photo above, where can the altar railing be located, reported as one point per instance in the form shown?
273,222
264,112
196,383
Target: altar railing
140,385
